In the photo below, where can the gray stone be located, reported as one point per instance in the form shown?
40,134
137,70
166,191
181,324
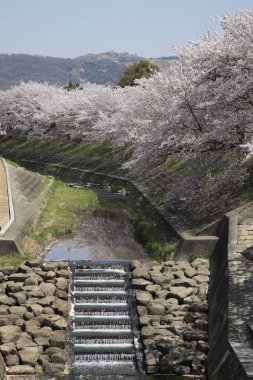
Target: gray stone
4,310
144,298
59,357
11,360
32,325
140,283
21,370
30,355
147,332
54,369
36,294
61,307
156,308
141,272
135,264
57,340
142,310
19,277
43,360
42,341
202,346
61,294
34,263
44,332
55,321
48,289
10,333
19,297
5,300
32,280
50,275
62,283
8,348
35,309
50,267
181,370
200,278
25,341
24,269
179,292
63,273
153,289
18,310
190,272
185,282
46,301
28,315
47,310
192,335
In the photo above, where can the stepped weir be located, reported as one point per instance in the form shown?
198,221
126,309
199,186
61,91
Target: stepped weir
104,333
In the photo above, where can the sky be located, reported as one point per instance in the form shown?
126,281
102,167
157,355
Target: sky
71,28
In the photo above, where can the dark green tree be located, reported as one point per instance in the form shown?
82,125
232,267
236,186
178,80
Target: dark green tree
70,86
137,70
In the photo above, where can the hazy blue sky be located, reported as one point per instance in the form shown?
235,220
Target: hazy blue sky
70,28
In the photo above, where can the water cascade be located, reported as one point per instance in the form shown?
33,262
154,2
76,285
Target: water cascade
103,321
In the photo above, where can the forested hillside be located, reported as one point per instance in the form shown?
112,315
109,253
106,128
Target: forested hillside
104,68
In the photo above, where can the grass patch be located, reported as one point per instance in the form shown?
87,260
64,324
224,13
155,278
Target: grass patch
152,194
195,256
174,164
146,236
12,259
65,206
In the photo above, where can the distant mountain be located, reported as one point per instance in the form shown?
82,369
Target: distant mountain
104,68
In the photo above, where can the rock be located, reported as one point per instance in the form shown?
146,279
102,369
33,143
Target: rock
57,340
34,263
179,292
198,307
144,298
192,335
35,309
30,288
25,341
199,262
19,297
42,341
32,301
18,310
185,282
162,294
152,357
62,265
147,332
11,360
63,273
200,346
54,369
169,263
32,280
36,294
8,348
46,301
48,289
59,357
43,360
153,289
5,300
181,370
21,370
38,369
164,347
32,325
50,266
19,277
47,310
199,278
141,272
7,270
50,275
62,284
135,264
24,269
4,310
61,307
142,310
156,309
55,321
190,272
139,283
44,332
179,274
30,355
28,315
10,333
166,364
152,369
61,294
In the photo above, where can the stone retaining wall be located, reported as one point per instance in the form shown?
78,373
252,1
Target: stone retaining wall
33,318
172,307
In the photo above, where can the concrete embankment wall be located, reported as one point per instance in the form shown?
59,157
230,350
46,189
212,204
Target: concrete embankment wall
222,360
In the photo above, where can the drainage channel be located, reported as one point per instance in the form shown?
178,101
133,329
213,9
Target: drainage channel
103,322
